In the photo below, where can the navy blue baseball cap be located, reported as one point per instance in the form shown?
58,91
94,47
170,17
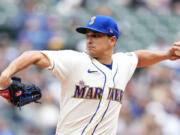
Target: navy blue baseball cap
101,23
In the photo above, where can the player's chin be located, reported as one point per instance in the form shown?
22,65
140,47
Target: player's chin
92,53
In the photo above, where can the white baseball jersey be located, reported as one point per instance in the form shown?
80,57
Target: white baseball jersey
91,93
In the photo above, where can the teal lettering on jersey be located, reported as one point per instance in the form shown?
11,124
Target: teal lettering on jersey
87,92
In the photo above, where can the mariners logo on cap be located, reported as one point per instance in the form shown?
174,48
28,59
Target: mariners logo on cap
92,20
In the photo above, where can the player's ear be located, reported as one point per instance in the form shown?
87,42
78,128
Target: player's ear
113,39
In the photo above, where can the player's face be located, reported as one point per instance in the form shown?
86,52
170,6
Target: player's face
98,44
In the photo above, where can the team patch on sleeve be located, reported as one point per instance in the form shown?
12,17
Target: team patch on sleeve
129,54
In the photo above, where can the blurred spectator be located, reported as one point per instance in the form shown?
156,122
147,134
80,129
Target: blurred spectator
34,35
67,7
176,7
161,6
104,9
135,4
55,43
4,127
159,44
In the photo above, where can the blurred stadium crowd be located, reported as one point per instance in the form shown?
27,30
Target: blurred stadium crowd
151,105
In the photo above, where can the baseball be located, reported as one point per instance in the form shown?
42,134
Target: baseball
177,53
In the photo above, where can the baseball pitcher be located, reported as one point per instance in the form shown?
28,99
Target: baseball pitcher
93,82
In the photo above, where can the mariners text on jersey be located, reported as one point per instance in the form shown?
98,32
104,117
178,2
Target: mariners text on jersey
87,92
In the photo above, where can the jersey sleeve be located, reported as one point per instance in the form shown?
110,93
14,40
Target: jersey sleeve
129,60
133,61
62,62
